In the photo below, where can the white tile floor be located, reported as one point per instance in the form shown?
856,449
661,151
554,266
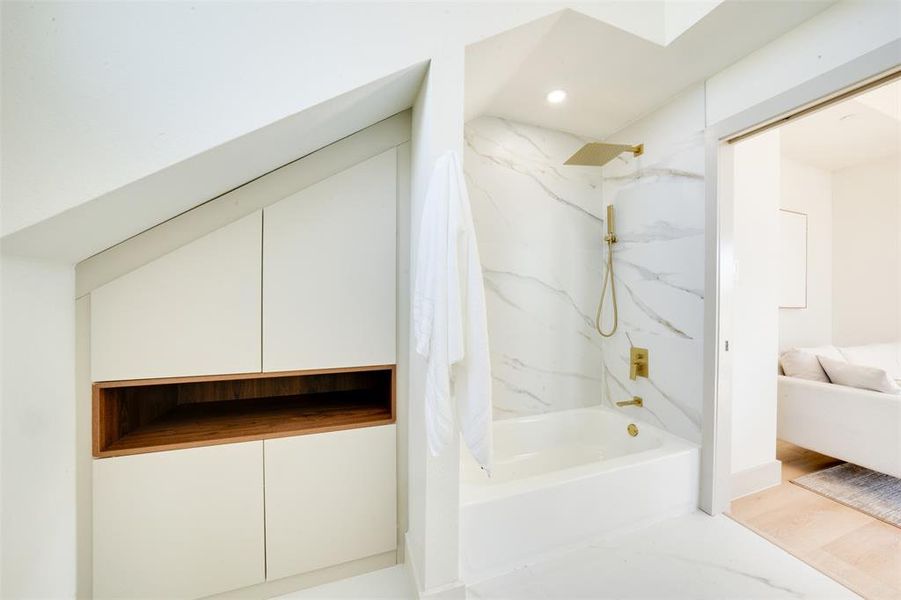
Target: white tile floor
689,557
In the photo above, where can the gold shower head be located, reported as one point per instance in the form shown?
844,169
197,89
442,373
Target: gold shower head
596,154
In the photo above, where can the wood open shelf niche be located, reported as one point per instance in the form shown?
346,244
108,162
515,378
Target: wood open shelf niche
149,415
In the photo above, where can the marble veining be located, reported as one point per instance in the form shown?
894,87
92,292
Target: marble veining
537,175
695,556
540,228
659,266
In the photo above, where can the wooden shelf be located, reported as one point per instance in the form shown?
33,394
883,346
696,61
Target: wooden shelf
132,417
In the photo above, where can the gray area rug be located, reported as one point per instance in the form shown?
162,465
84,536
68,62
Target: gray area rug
870,492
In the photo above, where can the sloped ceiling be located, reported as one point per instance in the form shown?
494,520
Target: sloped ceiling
93,226
614,77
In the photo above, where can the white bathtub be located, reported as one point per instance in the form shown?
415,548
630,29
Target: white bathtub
563,478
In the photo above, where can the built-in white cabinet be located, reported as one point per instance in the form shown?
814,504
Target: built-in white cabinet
330,499
179,524
306,284
200,521
329,271
193,311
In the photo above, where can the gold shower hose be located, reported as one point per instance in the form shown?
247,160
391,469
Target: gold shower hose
608,276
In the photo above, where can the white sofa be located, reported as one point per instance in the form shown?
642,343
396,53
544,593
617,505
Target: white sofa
856,425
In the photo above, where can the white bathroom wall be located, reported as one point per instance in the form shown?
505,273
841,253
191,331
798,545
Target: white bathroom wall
808,190
659,265
540,230
845,31
755,338
865,252
433,539
38,429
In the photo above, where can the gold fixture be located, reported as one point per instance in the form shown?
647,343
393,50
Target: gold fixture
632,429
635,401
609,239
638,363
611,234
597,154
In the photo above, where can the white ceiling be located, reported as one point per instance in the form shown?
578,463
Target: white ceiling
613,77
861,129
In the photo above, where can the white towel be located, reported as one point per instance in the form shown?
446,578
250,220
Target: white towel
449,318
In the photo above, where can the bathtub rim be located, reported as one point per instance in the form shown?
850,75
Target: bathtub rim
476,493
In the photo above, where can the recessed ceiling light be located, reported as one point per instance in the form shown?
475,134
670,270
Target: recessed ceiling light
556,97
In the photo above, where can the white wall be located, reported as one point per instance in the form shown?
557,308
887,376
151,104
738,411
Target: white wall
754,340
38,435
808,190
854,253
865,252
433,539
841,33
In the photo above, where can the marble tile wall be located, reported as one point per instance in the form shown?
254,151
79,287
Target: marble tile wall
659,267
540,234
540,226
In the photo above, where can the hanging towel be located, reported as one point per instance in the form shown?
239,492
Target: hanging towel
449,319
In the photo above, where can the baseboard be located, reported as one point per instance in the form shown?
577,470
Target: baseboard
453,591
755,479
286,585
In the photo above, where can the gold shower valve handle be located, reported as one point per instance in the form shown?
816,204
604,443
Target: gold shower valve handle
638,363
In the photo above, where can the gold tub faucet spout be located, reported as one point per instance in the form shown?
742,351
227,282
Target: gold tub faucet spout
635,401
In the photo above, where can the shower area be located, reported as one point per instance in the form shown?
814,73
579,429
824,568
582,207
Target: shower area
592,249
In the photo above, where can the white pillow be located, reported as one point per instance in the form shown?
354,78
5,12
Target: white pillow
882,356
803,365
859,376
827,351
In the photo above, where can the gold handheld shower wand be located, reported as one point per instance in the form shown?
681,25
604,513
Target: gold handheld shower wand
610,239
597,154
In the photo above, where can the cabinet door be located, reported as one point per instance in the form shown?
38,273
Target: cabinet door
329,271
194,311
330,498
180,524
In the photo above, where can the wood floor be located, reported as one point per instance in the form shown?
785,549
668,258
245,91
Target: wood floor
858,551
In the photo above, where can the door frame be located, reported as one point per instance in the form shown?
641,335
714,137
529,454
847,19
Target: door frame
716,448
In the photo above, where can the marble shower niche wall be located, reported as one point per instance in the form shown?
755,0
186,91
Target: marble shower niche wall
659,266
540,232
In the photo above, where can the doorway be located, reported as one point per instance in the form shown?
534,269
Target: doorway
809,207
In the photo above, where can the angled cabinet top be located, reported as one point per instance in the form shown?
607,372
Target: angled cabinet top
194,311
